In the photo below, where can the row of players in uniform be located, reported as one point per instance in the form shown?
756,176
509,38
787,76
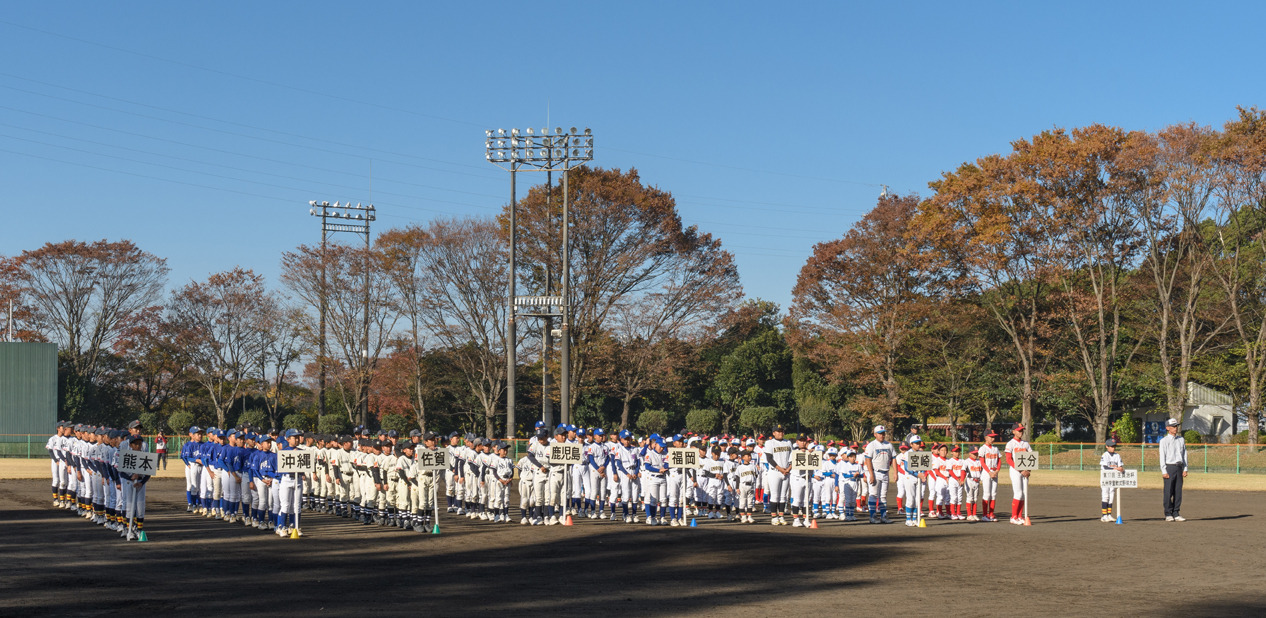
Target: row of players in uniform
378,481
87,480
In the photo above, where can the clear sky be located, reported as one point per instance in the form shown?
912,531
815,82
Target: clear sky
201,130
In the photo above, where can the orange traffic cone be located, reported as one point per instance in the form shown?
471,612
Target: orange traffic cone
1027,522
813,524
567,522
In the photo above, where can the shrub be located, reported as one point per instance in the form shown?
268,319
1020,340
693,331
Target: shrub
335,424
816,414
759,419
1128,429
652,421
399,422
1191,436
296,421
150,422
180,421
703,421
256,418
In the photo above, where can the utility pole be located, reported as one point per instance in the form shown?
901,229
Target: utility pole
358,218
542,151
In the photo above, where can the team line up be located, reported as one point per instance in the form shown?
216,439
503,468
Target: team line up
234,476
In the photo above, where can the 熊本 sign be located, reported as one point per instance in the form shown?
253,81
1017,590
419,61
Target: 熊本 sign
136,462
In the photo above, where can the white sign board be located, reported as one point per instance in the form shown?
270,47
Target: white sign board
683,458
294,461
566,454
432,460
806,460
1113,479
920,461
136,462
1025,460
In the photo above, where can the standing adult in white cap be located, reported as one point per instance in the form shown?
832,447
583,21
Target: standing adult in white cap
878,461
1173,465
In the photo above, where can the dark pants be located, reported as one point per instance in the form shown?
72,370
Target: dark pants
162,461
1173,490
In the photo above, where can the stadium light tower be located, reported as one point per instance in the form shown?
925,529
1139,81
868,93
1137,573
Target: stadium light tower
539,151
343,218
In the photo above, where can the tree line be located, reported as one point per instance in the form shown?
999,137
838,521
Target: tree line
1085,274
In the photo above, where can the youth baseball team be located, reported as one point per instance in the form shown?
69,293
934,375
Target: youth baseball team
394,480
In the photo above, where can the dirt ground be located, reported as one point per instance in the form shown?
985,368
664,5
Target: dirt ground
1067,563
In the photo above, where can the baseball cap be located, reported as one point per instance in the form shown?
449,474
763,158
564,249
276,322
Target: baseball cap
992,434
624,433
751,442
903,446
560,430
580,431
1018,427
916,439
134,424
832,451
779,427
974,451
393,434
880,429
195,429
1173,422
542,433
1110,442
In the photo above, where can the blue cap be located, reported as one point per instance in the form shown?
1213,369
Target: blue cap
624,433
580,431
540,424
290,433
599,432
655,438
677,437
658,441
195,429
571,428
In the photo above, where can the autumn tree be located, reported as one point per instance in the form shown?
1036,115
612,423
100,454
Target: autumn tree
1239,247
1176,261
81,295
990,232
360,313
219,328
1093,179
153,366
628,251
461,269
858,299
699,284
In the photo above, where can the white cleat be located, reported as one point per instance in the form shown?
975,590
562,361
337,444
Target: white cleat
795,523
628,520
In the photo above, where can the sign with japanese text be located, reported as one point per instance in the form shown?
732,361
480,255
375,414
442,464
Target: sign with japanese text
565,453
683,458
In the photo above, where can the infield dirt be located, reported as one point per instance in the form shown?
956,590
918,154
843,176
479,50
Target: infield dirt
1067,563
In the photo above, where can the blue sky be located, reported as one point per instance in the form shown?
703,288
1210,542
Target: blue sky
201,130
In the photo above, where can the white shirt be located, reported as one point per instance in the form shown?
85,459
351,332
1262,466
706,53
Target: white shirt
1173,451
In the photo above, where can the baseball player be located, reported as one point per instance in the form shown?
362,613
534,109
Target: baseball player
990,465
597,459
653,471
800,481
554,505
1015,445
778,460
1110,460
971,489
626,467
879,456
957,479
745,489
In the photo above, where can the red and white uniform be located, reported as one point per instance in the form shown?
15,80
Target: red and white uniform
990,462
975,470
1015,446
957,478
